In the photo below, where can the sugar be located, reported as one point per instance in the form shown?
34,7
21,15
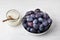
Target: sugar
13,13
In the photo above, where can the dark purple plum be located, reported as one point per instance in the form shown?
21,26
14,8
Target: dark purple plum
46,16
49,21
35,21
40,19
29,18
30,24
37,10
32,30
35,26
30,12
45,23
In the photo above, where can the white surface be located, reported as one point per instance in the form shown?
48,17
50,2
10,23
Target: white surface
52,7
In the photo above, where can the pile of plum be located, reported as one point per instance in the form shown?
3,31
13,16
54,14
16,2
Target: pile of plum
36,21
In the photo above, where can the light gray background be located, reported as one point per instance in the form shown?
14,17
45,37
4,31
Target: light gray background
52,7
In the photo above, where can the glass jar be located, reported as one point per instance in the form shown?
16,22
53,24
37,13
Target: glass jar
15,15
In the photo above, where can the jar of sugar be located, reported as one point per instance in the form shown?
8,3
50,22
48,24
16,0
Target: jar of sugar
13,17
